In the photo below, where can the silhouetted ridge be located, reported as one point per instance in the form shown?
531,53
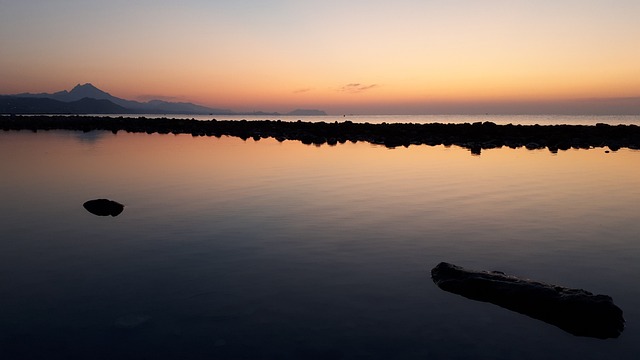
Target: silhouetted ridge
87,90
20,105
307,112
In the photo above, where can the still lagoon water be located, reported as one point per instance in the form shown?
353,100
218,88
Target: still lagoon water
236,249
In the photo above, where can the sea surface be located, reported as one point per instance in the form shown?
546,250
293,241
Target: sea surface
232,249
422,119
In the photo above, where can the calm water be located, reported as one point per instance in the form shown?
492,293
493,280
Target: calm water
265,250
426,119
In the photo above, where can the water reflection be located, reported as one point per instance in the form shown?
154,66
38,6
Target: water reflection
244,249
89,137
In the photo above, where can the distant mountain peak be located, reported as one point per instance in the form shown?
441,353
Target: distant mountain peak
82,94
88,90
84,86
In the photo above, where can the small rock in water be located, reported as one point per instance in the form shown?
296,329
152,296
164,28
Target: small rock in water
103,207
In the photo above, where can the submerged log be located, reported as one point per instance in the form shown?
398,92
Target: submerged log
103,207
575,311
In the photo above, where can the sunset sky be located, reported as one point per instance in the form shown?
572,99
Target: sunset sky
358,56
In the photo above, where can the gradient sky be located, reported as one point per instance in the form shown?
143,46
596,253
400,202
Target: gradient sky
358,56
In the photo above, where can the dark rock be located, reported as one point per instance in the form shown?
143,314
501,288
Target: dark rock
475,149
564,146
474,137
575,311
103,207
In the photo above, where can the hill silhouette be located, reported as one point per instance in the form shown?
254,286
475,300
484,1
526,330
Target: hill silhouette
101,102
118,105
307,112
26,105
84,91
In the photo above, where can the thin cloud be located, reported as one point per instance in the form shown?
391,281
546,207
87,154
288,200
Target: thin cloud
355,88
300,91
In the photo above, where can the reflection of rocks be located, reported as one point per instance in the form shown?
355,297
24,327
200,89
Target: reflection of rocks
90,137
103,207
576,311
475,137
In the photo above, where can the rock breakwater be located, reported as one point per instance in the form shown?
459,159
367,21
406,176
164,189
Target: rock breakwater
475,137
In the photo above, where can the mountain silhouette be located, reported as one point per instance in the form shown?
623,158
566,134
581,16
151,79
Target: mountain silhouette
78,92
84,91
307,112
120,106
38,105
88,99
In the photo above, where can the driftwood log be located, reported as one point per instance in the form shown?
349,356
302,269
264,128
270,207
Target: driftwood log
576,311
103,207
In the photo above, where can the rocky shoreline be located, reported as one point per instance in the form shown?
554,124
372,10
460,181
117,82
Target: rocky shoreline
475,137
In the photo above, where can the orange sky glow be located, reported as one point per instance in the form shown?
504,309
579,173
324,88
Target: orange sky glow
341,57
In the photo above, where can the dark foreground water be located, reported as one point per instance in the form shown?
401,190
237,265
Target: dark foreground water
265,250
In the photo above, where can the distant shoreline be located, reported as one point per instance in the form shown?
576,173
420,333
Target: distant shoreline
475,137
